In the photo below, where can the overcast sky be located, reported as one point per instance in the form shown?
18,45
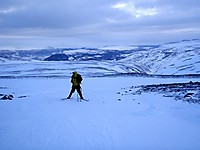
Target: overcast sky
66,23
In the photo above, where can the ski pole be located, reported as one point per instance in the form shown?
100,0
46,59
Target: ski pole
77,97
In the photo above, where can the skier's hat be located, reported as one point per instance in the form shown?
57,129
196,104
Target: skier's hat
75,72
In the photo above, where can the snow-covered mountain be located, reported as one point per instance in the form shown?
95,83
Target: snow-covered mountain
173,58
119,112
170,58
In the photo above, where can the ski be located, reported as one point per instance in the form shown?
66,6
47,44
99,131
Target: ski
87,100
78,100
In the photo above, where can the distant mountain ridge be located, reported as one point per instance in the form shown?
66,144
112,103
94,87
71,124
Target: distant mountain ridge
73,54
172,58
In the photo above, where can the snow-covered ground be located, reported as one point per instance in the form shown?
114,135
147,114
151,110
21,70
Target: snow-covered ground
38,119
124,112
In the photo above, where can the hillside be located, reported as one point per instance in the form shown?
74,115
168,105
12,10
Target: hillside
176,58
114,118
136,97
171,58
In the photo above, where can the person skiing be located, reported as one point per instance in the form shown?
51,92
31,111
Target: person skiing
76,81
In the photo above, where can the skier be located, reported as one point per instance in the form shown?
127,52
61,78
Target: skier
76,81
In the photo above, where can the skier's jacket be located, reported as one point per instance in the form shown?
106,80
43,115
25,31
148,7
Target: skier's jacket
76,79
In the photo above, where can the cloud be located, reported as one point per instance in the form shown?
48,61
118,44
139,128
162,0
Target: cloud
125,21
135,12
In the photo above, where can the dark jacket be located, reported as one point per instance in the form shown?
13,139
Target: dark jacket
76,80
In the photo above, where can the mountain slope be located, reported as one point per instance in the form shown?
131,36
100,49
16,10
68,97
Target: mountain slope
113,119
174,58
171,58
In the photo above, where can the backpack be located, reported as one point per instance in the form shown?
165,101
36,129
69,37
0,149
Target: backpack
79,78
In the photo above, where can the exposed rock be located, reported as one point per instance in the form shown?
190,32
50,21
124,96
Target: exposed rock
188,92
57,57
7,97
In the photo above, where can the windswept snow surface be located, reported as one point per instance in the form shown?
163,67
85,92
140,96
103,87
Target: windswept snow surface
122,113
41,120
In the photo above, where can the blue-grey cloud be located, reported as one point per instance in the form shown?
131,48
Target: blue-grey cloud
88,21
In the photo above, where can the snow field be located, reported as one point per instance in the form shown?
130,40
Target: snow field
44,121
